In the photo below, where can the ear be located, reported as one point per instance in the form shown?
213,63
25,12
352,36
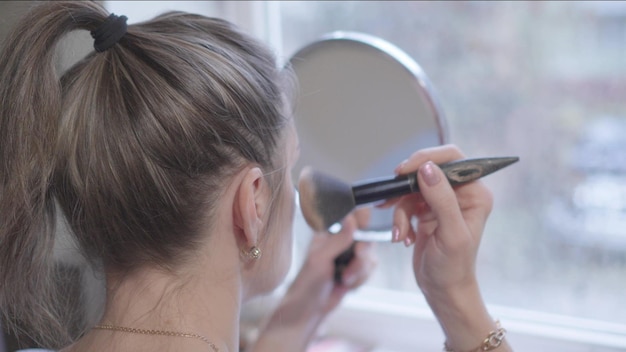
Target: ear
251,204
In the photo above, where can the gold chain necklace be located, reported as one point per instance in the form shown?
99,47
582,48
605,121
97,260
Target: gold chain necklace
157,332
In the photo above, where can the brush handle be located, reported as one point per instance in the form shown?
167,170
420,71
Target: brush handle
384,188
457,172
342,261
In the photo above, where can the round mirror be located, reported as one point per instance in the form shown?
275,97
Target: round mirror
363,107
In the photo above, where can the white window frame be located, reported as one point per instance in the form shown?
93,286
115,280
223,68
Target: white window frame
385,319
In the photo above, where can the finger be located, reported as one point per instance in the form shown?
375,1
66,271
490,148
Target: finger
476,202
363,216
361,267
442,201
402,230
438,155
339,242
426,227
394,201
387,203
361,272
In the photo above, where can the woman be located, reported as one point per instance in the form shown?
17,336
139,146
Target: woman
168,151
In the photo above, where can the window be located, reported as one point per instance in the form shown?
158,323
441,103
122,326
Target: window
542,80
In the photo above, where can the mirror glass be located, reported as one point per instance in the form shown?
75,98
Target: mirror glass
363,106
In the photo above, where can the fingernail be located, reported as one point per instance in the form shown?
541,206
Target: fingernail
408,241
400,167
430,176
395,234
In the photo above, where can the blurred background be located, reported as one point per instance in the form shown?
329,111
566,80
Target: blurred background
542,80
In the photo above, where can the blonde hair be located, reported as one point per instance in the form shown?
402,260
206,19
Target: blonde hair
133,144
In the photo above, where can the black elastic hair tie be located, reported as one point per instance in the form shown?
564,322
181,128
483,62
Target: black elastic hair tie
109,32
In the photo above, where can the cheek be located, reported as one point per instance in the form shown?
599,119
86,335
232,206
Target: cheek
291,201
282,233
286,227
287,222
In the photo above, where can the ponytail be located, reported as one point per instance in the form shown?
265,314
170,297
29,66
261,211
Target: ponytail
134,144
30,108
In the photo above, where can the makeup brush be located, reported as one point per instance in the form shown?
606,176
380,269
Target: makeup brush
326,200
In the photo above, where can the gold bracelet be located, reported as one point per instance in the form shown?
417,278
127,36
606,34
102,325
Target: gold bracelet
490,343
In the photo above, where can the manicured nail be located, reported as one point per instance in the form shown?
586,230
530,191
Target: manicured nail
395,234
400,167
408,241
430,176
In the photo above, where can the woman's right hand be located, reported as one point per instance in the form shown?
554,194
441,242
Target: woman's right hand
450,223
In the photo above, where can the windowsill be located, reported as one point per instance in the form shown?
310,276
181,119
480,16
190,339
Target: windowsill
395,321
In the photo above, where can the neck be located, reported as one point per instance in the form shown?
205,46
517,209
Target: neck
201,302
202,297
156,300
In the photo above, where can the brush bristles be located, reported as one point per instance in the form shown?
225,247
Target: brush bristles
324,199
306,190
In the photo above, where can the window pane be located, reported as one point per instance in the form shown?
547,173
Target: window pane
545,81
